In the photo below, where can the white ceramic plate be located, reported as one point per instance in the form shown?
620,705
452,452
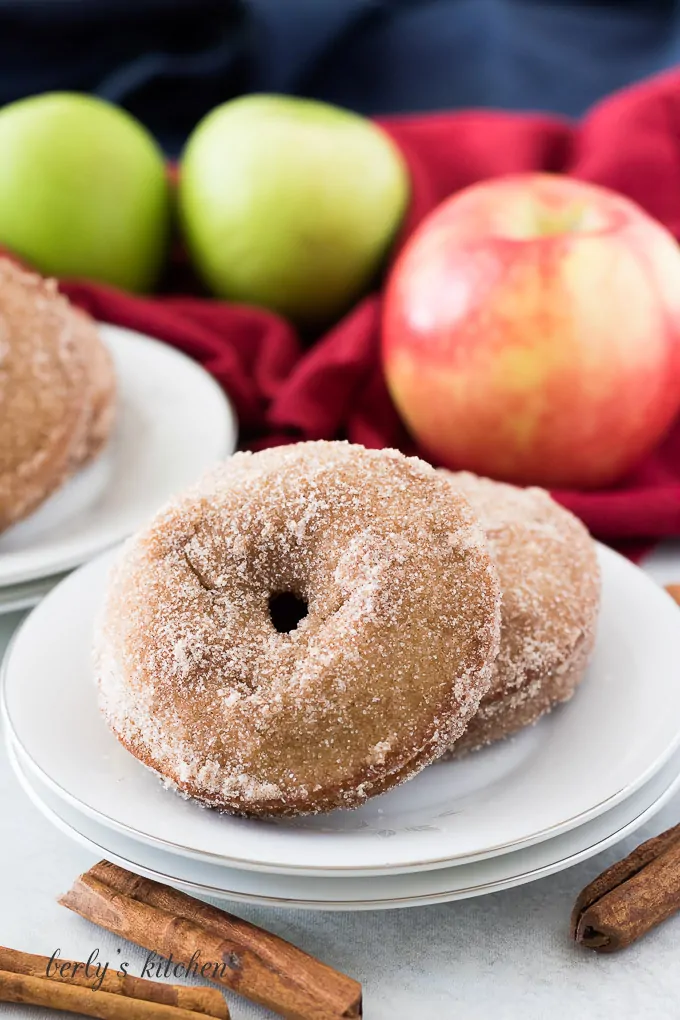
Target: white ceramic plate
8,625
173,422
621,727
15,597
348,892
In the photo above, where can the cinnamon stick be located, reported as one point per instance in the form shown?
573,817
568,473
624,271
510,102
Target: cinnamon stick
236,954
35,991
630,898
207,1001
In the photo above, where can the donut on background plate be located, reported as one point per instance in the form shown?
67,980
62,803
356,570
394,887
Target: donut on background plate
308,627
56,391
101,400
550,590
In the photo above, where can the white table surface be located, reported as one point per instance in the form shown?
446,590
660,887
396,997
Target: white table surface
506,955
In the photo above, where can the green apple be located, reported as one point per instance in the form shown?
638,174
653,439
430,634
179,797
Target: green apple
289,203
83,190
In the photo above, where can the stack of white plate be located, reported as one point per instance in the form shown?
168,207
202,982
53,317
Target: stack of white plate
173,421
582,779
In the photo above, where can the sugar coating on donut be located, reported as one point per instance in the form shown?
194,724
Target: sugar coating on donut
550,585
102,387
46,390
382,673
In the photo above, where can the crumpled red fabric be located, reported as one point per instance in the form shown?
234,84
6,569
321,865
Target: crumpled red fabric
285,390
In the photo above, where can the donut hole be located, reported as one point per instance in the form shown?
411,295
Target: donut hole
286,610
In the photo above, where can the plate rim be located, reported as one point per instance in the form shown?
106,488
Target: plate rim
27,594
431,863
230,424
393,903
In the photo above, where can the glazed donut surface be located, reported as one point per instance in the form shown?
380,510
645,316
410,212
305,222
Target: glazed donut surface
307,627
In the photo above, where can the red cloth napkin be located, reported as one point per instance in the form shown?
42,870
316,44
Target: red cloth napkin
284,391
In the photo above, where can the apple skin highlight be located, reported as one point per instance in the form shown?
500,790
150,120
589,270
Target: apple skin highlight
532,332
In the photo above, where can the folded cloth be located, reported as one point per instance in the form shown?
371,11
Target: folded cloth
284,391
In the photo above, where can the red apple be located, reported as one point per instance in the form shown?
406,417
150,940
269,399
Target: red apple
532,332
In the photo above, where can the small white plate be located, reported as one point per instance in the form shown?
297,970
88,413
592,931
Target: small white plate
15,597
620,728
8,626
173,422
349,893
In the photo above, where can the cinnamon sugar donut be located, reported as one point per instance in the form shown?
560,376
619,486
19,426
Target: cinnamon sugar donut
56,391
550,584
101,400
306,628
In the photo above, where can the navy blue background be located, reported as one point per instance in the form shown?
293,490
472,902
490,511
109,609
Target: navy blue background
170,61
